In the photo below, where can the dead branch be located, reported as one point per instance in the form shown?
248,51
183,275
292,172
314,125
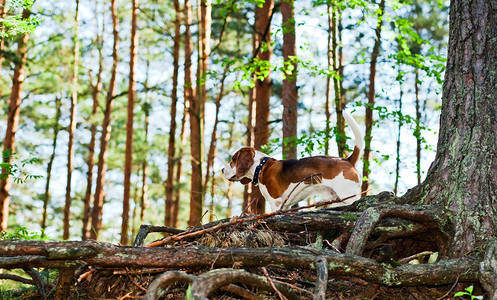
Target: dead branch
235,221
430,216
321,279
107,255
145,229
37,280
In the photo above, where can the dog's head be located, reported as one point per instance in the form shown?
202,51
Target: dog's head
241,163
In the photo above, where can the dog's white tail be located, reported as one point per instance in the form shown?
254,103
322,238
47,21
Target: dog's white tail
357,137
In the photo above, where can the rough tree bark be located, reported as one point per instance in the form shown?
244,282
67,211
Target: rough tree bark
72,125
289,93
262,93
462,177
13,121
96,220
128,164
371,100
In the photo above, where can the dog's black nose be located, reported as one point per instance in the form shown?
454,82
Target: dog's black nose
222,170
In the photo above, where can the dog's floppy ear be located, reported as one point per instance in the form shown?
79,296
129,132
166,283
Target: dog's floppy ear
245,180
244,160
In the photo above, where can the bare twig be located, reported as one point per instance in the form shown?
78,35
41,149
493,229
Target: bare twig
272,284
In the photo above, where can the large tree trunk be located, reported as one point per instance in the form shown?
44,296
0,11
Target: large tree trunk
13,121
371,100
289,88
172,127
46,197
72,126
262,93
106,128
128,164
337,59
463,176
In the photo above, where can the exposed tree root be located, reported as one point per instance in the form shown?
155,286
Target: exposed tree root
430,216
488,270
361,229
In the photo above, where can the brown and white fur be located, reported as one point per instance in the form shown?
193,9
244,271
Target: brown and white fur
284,183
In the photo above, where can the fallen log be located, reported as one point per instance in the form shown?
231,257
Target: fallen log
57,255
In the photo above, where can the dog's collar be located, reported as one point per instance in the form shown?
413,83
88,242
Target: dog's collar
255,180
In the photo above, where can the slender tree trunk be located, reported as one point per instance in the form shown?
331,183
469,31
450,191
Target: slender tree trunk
462,177
143,199
128,164
329,55
262,93
2,29
106,128
179,169
289,89
72,126
95,92
212,205
212,146
399,126
46,198
337,60
371,101
13,121
417,131
172,127
196,140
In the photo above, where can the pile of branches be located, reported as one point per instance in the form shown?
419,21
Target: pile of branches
359,251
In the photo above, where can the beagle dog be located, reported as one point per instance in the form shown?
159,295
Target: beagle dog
284,183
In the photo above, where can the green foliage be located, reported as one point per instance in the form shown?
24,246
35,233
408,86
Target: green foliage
22,233
15,24
468,292
17,170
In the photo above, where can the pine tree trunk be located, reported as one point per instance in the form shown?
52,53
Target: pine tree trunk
212,147
128,164
2,29
337,84
399,128
262,93
417,131
72,126
95,91
195,127
143,198
289,88
172,127
179,169
106,128
462,177
46,198
13,121
371,101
